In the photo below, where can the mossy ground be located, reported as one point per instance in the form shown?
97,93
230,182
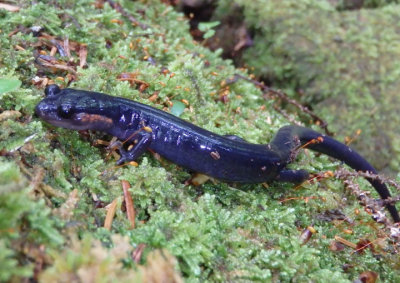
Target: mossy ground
55,186
339,62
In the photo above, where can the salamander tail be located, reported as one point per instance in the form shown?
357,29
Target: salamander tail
289,138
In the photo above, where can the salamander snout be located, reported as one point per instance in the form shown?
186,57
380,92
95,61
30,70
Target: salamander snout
47,107
66,108
57,106
46,110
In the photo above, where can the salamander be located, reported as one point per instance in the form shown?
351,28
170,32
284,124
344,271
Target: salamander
228,158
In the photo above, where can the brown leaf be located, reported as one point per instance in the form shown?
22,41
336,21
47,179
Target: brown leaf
137,253
8,7
82,55
363,244
111,209
306,234
336,246
130,210
368,277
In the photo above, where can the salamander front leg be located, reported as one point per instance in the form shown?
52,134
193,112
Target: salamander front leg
137,150
292,176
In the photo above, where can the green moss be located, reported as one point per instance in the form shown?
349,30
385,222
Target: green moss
339,62
9,265
23,222
217,232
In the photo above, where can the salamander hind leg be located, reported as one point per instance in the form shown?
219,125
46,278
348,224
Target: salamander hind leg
289,138
292,176
137,150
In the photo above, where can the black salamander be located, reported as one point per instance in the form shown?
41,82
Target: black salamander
228,158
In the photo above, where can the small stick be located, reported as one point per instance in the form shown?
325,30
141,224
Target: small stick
121,10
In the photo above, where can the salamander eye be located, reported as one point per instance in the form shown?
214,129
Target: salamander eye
51,90
64,111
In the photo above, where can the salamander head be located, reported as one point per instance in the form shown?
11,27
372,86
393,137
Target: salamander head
73,109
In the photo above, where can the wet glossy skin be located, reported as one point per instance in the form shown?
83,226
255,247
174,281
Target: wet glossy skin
227,158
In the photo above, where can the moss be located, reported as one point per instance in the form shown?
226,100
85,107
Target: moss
338,62
24,221
59,184
87,260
